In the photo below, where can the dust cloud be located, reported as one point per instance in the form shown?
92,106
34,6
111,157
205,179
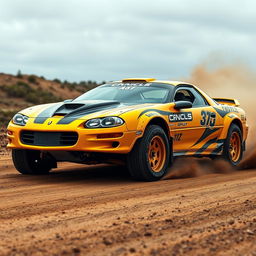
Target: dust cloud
230,81
193,167
236,82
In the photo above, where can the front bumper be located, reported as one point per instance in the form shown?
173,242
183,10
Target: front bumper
89,140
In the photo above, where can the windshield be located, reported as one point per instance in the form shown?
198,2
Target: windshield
130,93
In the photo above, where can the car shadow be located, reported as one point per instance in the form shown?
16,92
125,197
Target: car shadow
81,174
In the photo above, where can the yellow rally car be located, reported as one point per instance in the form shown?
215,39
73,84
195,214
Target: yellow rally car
143,122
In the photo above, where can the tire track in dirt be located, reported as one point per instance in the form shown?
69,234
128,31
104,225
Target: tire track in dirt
99,211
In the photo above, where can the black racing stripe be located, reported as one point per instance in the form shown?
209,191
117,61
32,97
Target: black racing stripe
166,113
206,145
45,114
221,112
69,118
219,147
207,133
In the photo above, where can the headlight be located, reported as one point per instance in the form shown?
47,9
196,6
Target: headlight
20,119
111,121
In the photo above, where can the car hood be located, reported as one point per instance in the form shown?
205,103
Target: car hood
70,111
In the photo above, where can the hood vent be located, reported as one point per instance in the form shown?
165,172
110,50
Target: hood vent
67,108
80,109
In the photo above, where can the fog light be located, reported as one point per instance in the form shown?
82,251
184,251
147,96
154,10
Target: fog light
109,135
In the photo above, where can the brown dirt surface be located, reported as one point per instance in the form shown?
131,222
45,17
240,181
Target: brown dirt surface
99,210
3,143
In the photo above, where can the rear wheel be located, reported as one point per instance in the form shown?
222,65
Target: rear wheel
233,148
31,162
150,156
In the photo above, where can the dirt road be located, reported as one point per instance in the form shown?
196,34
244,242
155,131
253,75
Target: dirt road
81,210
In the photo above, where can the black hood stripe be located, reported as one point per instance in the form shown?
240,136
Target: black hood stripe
45,114
74,114
86,110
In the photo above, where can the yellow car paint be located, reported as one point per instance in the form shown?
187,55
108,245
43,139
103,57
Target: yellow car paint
201,130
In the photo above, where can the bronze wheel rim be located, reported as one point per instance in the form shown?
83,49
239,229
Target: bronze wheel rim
235,146
157,153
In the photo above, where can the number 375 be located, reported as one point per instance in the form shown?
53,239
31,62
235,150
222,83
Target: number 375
208,118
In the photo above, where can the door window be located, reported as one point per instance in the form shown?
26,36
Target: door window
191,95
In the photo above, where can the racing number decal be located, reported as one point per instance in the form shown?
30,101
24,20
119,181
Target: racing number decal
177,136
208,118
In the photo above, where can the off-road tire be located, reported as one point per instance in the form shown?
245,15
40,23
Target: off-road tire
30,162
138,160
233,158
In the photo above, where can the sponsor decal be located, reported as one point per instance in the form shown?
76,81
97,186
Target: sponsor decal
229,109
225,110
130,86
182,124
181,117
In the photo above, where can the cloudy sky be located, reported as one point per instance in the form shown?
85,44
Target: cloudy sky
111,39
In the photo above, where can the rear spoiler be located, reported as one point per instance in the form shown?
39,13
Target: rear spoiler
231,102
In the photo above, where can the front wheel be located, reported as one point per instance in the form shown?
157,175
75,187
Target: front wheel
31,162
150,156
233,148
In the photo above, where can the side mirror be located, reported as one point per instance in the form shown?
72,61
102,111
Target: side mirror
67,101
182,104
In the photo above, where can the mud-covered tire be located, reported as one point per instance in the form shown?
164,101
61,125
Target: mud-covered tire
151,155
233,146
30,162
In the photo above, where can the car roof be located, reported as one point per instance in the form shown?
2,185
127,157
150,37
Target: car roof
149,80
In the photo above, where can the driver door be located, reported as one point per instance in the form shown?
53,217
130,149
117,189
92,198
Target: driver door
193,128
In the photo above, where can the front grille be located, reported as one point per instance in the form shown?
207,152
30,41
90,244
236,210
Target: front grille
48,139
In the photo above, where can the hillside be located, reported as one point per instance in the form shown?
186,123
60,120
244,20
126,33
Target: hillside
21,91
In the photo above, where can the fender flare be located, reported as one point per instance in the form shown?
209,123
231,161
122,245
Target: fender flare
228,121
156,119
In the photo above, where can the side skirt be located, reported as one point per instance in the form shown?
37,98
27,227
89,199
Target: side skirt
203,151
